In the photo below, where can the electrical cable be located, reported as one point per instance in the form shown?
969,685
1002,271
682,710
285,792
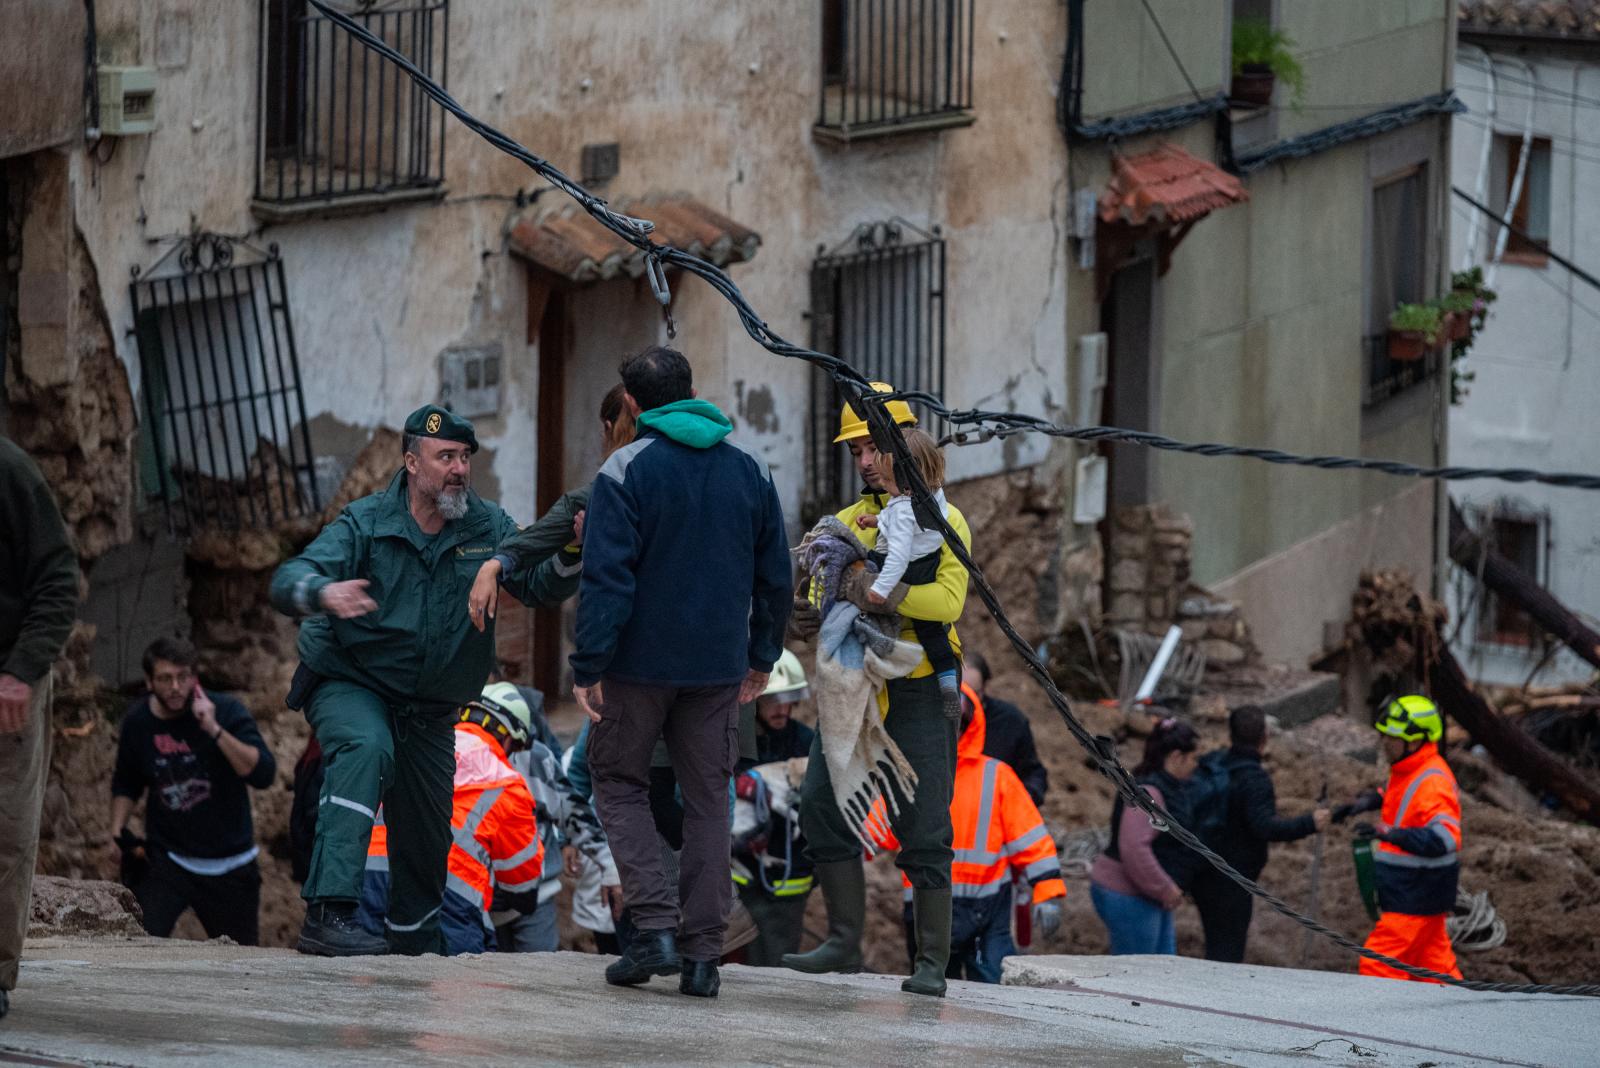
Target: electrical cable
887,436
1173,52
1540,246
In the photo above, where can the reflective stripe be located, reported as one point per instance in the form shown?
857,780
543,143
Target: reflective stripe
463,889
411,926
1411,860
975,856
485,802
354,806
520,858
1017,845
981,889
985,804
1411,790
517,888
616,465
305,606
1444,833
470,846
378,863
793,887
1043,867
566,570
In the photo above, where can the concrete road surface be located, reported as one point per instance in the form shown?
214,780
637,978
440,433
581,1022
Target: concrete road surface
149,1002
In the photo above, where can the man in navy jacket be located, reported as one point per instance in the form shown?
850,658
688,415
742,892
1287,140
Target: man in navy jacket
685,594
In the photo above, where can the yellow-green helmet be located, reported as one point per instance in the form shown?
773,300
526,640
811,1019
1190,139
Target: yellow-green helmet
1412,718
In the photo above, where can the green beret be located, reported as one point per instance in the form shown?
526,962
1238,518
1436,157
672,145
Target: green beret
432,421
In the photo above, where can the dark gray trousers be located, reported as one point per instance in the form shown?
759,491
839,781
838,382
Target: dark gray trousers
701,728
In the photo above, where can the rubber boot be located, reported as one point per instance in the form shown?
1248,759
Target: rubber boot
844,890
931,918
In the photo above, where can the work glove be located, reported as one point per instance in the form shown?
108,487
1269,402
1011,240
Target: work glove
804,619
1047,918
1367,830
856,584
1371,801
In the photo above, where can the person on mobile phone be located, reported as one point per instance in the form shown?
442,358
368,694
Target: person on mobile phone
195,754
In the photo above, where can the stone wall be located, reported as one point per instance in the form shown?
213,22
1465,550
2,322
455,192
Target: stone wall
1149,586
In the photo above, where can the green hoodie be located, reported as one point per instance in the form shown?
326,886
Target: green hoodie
696,423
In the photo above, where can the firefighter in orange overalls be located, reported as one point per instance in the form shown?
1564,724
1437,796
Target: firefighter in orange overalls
496,853
1417,855
998,832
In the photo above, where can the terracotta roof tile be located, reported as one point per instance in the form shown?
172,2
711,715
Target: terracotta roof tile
1166,186
571,244
1536,18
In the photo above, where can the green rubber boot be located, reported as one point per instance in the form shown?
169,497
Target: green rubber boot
930,911
844,890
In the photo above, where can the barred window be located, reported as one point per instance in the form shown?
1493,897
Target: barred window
893,66
224,441
339,124
1398,274
877,301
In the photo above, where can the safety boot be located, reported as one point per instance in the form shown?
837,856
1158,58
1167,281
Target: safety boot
332,930
651,952
930,910
844,891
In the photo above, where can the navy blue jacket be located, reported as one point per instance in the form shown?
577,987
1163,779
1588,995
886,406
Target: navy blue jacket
686,573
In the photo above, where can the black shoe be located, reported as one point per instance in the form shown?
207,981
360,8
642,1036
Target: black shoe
650,953
332,930
699,979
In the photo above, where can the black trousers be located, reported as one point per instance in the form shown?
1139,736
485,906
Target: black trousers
225,904
1225,909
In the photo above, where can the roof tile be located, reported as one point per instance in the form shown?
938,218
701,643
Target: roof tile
571,244
1166,186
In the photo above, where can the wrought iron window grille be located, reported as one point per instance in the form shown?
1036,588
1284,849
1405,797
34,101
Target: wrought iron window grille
878,301
225,441
337,126
894,66
1386,377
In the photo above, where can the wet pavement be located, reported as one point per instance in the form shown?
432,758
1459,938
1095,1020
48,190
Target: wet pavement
147,1002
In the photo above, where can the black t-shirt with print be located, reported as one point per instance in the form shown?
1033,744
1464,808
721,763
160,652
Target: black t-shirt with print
199,806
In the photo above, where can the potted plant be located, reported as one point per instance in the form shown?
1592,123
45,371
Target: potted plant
1413,330
1457,306
1467,284
1261,56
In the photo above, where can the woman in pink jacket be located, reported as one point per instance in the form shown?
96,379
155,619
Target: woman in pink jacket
1136,883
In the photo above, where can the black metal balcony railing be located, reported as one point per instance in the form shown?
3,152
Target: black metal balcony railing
877,300
1387,377
336,121
890,65
224,441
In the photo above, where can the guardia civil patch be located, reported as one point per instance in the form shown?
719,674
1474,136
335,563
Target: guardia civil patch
434,422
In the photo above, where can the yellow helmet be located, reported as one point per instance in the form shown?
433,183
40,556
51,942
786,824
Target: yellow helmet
788,681
1412,718
852,425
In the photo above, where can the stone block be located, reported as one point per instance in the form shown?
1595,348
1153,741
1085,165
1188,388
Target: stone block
1221,653
1127,576
1126,607
1163,575
1173,524
1127,546
1159,606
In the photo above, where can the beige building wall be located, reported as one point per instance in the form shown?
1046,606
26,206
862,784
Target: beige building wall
711,100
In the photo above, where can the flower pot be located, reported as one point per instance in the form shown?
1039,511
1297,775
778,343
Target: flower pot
1408,345
1252,86
1457,325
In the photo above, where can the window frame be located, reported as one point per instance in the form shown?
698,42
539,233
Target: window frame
893,84
1507,148
1383,378
1524,634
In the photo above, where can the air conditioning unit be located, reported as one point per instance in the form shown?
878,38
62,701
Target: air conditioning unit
127,101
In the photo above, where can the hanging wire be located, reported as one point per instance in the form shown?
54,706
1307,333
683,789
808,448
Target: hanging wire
888,438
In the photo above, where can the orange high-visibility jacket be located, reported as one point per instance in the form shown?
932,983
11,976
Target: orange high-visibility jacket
1421,802
496,841
997,827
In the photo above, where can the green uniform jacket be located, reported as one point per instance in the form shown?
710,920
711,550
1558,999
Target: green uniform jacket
38,570
418,646
546,546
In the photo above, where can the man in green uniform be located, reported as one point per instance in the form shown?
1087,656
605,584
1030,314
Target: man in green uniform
915,719
387,653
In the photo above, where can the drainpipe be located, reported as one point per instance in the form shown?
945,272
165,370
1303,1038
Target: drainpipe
1522,169
1480,186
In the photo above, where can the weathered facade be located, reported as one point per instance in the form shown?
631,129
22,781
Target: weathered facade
1263,324
1531,75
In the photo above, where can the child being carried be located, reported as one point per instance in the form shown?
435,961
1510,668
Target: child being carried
908,551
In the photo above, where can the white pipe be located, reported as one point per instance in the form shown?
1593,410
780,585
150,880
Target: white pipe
1480,186
1169,645
1515,195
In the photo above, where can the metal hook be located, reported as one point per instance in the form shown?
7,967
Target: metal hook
657,274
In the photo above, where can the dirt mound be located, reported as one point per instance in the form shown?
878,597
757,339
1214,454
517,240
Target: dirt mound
82,907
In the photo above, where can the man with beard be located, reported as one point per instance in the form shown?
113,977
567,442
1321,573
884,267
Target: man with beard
195,753
388,654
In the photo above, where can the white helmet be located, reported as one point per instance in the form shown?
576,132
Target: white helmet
788,681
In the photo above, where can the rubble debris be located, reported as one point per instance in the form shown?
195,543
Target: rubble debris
82,907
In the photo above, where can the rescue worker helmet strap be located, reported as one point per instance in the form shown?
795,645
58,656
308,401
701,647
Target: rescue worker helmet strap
511,731
1412,718
853,425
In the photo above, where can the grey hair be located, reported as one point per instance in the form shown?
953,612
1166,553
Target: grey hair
408,443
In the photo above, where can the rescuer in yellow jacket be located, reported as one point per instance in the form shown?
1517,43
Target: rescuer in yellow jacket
1417,853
